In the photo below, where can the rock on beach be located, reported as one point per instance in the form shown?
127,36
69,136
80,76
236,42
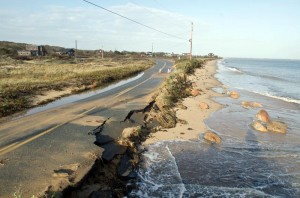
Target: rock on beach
263,116
265,124
212,137
234,95
195,92
277,127
203,105
259,126
248,105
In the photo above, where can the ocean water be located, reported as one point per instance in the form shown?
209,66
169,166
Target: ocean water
274,78
247,163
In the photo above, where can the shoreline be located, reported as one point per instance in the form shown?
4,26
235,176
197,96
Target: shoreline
191,127
136,137
181,161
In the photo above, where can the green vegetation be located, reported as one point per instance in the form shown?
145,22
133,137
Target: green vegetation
175,88
20,80
189,66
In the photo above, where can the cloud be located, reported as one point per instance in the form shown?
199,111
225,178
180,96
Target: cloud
93,27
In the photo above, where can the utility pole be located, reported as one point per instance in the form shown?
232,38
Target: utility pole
76,51
152,49
191,43
102,51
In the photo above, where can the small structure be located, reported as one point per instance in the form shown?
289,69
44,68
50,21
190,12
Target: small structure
24,53
185,54
33,50
149,54
211,55
70,52
41,50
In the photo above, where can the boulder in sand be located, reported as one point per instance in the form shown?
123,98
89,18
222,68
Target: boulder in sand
195,92
234,95
263,116
203,105
277,127
212,137
248,105
259,126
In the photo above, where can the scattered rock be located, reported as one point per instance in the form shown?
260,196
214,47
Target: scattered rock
195,92
277,127
247,104
212,137
259,126
263,116
189,129
194,84
234,95
203,105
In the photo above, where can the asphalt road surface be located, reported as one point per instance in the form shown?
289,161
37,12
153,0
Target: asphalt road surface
34,149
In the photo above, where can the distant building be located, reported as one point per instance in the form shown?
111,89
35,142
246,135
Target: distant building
59,53
211,55
33,50
70,52
24,53
41,50
185,54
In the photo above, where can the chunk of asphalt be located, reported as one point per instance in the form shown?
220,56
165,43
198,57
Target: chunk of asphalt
125,166
111,150
103,139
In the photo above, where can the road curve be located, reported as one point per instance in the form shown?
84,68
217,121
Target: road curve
34,148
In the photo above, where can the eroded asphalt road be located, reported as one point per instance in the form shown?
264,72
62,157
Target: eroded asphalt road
46,148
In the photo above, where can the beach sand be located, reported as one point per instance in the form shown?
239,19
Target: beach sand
194,115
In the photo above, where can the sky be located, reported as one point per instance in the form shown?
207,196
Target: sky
229,28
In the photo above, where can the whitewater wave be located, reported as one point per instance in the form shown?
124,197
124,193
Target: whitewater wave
234,70
286,99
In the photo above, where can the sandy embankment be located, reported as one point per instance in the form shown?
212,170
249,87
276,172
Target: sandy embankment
194,115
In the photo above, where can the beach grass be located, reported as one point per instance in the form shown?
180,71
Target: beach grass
20,80
176,87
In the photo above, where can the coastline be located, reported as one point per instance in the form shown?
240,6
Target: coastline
194,116
179,161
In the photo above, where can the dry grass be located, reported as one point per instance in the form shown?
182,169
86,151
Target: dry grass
22,79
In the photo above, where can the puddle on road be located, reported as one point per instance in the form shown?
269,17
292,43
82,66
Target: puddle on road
77,97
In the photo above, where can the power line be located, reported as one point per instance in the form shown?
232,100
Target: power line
139,23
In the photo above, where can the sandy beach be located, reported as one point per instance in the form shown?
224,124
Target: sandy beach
193,115
246,162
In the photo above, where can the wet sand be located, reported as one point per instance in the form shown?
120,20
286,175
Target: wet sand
194,115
